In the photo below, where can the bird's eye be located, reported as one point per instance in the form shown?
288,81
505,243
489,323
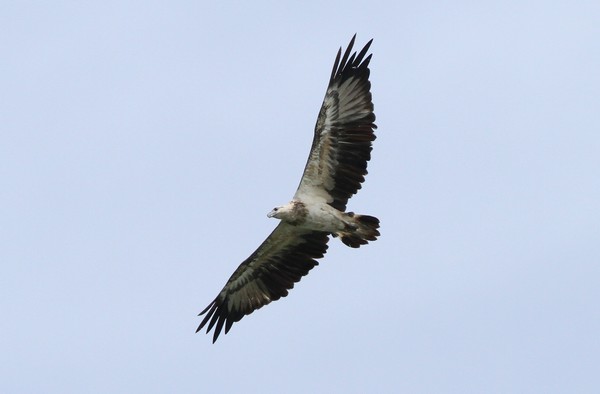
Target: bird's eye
275,209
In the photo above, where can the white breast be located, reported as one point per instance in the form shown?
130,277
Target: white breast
323,217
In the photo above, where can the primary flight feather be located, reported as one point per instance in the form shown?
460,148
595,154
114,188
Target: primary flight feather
336,167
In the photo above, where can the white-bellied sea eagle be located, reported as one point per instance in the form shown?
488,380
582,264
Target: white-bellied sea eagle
336,167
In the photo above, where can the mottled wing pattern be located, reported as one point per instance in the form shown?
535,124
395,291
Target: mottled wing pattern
280,261
341,147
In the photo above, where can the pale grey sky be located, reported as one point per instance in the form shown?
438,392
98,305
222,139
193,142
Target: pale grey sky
142,145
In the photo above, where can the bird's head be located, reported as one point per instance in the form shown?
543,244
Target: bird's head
292,212
284,212
276,213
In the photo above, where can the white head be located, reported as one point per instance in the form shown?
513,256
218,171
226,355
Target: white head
278,212
295,212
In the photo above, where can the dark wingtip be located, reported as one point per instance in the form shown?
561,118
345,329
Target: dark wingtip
215,336
347,60
363,52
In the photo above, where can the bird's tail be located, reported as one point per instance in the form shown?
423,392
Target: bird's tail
360,230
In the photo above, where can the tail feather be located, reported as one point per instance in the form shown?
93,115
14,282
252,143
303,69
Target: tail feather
361,230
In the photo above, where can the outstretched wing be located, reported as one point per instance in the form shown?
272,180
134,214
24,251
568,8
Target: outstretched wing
280,261
341,148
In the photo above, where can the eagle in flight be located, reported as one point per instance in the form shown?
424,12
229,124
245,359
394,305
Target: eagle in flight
336,167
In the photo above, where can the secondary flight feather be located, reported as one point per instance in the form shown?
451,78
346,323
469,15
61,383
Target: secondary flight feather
335,170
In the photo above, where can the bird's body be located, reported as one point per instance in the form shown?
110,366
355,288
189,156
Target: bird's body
334,171
318,216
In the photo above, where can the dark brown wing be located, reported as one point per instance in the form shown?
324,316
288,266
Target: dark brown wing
280,261
341,147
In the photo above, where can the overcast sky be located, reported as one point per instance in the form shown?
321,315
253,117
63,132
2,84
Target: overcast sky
143,143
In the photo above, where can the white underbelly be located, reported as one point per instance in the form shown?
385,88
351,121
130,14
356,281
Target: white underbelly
323,217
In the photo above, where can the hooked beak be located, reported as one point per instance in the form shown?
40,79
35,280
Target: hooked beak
271,214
